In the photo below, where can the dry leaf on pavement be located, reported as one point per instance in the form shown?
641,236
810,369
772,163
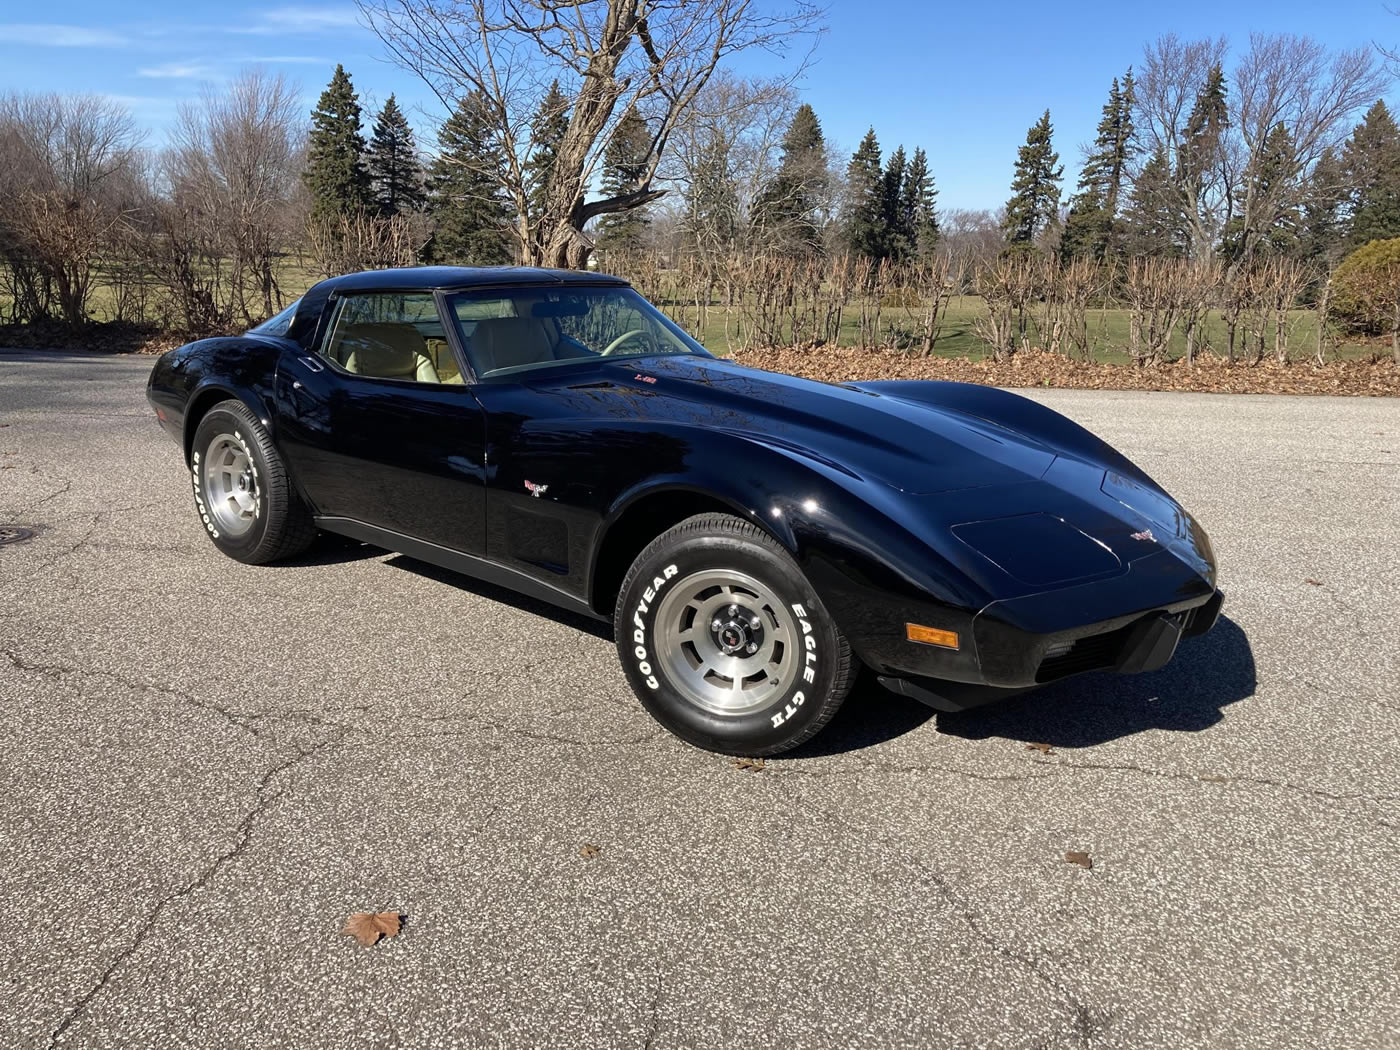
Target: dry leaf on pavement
1044,749
588,851
754,764
1082,859
368,926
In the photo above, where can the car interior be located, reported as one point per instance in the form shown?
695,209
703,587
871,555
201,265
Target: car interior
400,335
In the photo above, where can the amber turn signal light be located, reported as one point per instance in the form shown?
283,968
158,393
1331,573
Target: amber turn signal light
931,635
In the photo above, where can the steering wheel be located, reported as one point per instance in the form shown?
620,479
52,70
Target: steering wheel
611,348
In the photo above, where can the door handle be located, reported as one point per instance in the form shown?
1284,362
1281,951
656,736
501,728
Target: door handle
311,364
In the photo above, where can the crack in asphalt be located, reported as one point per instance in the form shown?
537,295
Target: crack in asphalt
654,1025
502,727
243,838
57,671
1055,769
1225,778
1085,1022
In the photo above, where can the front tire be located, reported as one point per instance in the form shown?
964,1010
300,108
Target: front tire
725,642
244,496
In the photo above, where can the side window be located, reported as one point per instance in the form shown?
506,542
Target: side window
390,335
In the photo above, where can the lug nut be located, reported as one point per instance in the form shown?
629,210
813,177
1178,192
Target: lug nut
715,624
753,647
733,609
755,623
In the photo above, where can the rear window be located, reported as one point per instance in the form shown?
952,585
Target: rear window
277,324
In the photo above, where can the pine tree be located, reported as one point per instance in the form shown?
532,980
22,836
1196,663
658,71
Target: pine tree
1093,210
547,133
470,214
625,163
1035,190
786,208
335,172
712,201
864,224
917,206
1203,134
1322,232
898,227
1152,221
1275,178
391,159
1371,161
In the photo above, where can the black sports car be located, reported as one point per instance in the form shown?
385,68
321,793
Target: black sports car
753,537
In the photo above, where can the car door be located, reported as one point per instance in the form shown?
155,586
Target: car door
378,426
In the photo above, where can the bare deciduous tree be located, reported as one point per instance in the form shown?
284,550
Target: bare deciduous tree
233,174
610,55
1220,173
69,175
1290,81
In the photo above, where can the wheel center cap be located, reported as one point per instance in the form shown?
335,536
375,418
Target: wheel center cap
737,631
245,481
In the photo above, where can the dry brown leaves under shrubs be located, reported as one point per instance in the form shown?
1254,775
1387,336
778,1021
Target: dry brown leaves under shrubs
100,337
1037,368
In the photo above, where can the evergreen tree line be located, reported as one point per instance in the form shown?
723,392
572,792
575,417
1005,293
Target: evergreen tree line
1133,202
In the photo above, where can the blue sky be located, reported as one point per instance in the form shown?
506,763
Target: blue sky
964,81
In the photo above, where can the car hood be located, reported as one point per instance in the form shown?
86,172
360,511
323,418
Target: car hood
913,447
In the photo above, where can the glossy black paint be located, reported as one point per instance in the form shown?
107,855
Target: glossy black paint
954,506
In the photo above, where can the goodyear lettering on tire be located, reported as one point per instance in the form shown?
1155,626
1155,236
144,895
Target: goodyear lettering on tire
639,634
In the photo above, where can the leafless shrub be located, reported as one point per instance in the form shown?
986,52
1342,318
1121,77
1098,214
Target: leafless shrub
347,243
1007,284
1153,290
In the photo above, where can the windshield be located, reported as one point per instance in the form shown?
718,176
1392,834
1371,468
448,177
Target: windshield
520,329
278,323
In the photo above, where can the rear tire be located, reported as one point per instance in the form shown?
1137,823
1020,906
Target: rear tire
242,491
725,642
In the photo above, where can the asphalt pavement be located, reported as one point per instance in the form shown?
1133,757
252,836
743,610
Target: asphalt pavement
208,766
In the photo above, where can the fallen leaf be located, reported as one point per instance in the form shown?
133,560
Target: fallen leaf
588,851
1044,749
1315,583
754,764
1212,779
368,926
1082,859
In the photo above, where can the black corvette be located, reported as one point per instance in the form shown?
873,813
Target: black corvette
754,538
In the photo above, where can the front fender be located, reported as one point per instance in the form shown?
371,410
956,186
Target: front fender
858,542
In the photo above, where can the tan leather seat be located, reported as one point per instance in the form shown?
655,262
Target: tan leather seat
505,342
385,351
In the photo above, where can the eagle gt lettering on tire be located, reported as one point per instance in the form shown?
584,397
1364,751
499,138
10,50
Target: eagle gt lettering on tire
724,641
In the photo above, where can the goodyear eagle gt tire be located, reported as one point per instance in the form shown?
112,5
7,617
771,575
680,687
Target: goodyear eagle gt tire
244,496
725,642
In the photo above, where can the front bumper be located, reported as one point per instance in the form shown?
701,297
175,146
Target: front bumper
1127,645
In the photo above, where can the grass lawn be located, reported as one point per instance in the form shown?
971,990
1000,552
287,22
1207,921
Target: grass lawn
1108,328
1108,332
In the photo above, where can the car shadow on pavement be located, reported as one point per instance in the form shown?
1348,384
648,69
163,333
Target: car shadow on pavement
1188,695
330,549
524,603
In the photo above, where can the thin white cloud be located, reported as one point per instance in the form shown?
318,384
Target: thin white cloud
38,34
179,71
297,19
289,60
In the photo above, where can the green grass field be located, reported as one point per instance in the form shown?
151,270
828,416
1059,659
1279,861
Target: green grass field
723,331
1108,333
